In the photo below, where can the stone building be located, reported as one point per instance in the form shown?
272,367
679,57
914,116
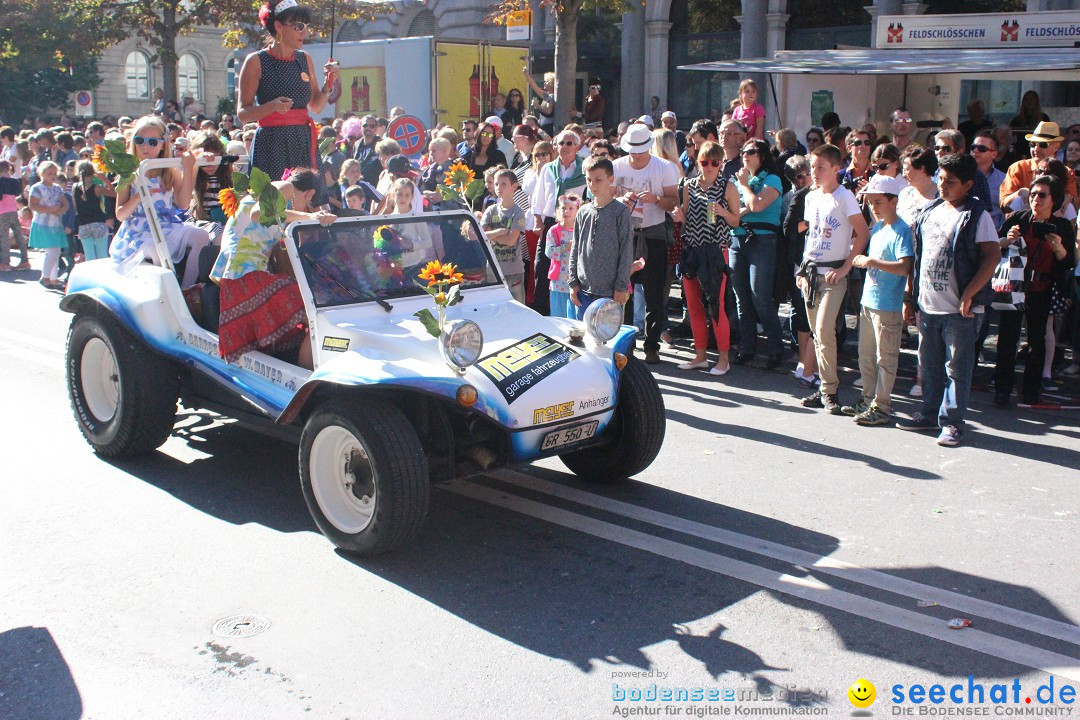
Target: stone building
206,72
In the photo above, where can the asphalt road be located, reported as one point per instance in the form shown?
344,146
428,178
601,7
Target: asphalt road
769,547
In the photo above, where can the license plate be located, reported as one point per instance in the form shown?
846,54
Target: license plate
569,435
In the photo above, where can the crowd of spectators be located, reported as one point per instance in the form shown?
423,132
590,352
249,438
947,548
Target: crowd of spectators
793,236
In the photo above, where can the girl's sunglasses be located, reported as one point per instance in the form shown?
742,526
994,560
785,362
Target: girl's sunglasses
710,163
882,167
152,142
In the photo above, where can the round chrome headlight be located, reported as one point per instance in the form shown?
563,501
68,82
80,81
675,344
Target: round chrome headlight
603,319
461,343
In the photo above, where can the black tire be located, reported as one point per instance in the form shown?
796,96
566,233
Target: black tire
395,470
632,439
147,386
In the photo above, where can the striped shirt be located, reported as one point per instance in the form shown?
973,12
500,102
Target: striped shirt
697,230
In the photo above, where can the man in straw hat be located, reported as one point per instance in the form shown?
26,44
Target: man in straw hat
1044,142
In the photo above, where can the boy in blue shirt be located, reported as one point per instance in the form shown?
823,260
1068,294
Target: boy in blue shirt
887,262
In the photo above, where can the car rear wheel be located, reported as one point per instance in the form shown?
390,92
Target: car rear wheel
364,476
123,395
632,439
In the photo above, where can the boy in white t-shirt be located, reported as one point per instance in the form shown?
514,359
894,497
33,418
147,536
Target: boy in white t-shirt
837,233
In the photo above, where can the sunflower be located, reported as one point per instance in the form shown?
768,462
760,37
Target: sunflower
99,162
229,202
459,175
450,274
432,272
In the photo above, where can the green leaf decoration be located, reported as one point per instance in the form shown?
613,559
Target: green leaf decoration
271,204
431,324
240,183
258,181
327,146
116,146
124,182
474,189
449,193
454,296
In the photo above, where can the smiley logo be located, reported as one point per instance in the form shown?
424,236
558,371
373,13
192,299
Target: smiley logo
862,693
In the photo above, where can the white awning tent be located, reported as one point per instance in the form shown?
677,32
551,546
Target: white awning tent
1036,63
868,83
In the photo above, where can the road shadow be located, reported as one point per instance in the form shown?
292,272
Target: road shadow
789,442
35,681
239,475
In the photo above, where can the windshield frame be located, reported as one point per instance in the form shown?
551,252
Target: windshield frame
293,248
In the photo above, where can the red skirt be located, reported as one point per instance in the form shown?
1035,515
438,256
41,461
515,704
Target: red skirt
260,311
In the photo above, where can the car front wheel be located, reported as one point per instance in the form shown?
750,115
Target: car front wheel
364,475
123,395
634,436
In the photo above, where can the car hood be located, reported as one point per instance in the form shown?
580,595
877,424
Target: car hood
528,373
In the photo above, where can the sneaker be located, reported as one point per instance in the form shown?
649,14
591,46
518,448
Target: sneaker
831,403
918,422
701,365
25,265
857,409
873,417
1072,370
916,391
950,436
1049,384
812,401
857,383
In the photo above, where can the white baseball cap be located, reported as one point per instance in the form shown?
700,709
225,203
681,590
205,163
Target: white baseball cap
668,114
494,120
883,185
647,119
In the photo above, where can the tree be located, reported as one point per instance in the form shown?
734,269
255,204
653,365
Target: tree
160,22
567,13
49,49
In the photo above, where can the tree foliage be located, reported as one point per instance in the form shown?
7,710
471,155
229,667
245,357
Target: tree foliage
566,13
160,22
49,49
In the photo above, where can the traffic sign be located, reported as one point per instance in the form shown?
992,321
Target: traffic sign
409,132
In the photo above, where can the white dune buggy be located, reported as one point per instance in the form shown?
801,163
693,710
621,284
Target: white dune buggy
388,409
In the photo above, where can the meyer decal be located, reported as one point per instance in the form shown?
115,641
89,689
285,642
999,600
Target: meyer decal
335,344
516,368
551,413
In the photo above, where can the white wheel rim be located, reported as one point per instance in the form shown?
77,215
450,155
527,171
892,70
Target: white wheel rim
342,479
100,379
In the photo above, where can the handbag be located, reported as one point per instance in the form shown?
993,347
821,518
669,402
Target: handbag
1009,281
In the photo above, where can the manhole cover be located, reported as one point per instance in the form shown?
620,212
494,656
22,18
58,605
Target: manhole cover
239,626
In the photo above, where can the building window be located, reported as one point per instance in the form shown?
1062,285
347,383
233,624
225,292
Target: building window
137,75
188,77
423,24
230,76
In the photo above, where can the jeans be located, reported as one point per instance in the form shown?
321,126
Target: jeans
947,357
586,299
9,222
753,268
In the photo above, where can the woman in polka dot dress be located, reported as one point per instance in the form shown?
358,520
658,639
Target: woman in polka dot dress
278,89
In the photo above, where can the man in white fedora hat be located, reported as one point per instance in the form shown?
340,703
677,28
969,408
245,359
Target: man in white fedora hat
1044,141
647,185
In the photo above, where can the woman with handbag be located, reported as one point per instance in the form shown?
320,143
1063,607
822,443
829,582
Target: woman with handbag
1049,244
708,209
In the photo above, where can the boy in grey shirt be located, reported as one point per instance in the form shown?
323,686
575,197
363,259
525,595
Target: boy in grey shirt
603,242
